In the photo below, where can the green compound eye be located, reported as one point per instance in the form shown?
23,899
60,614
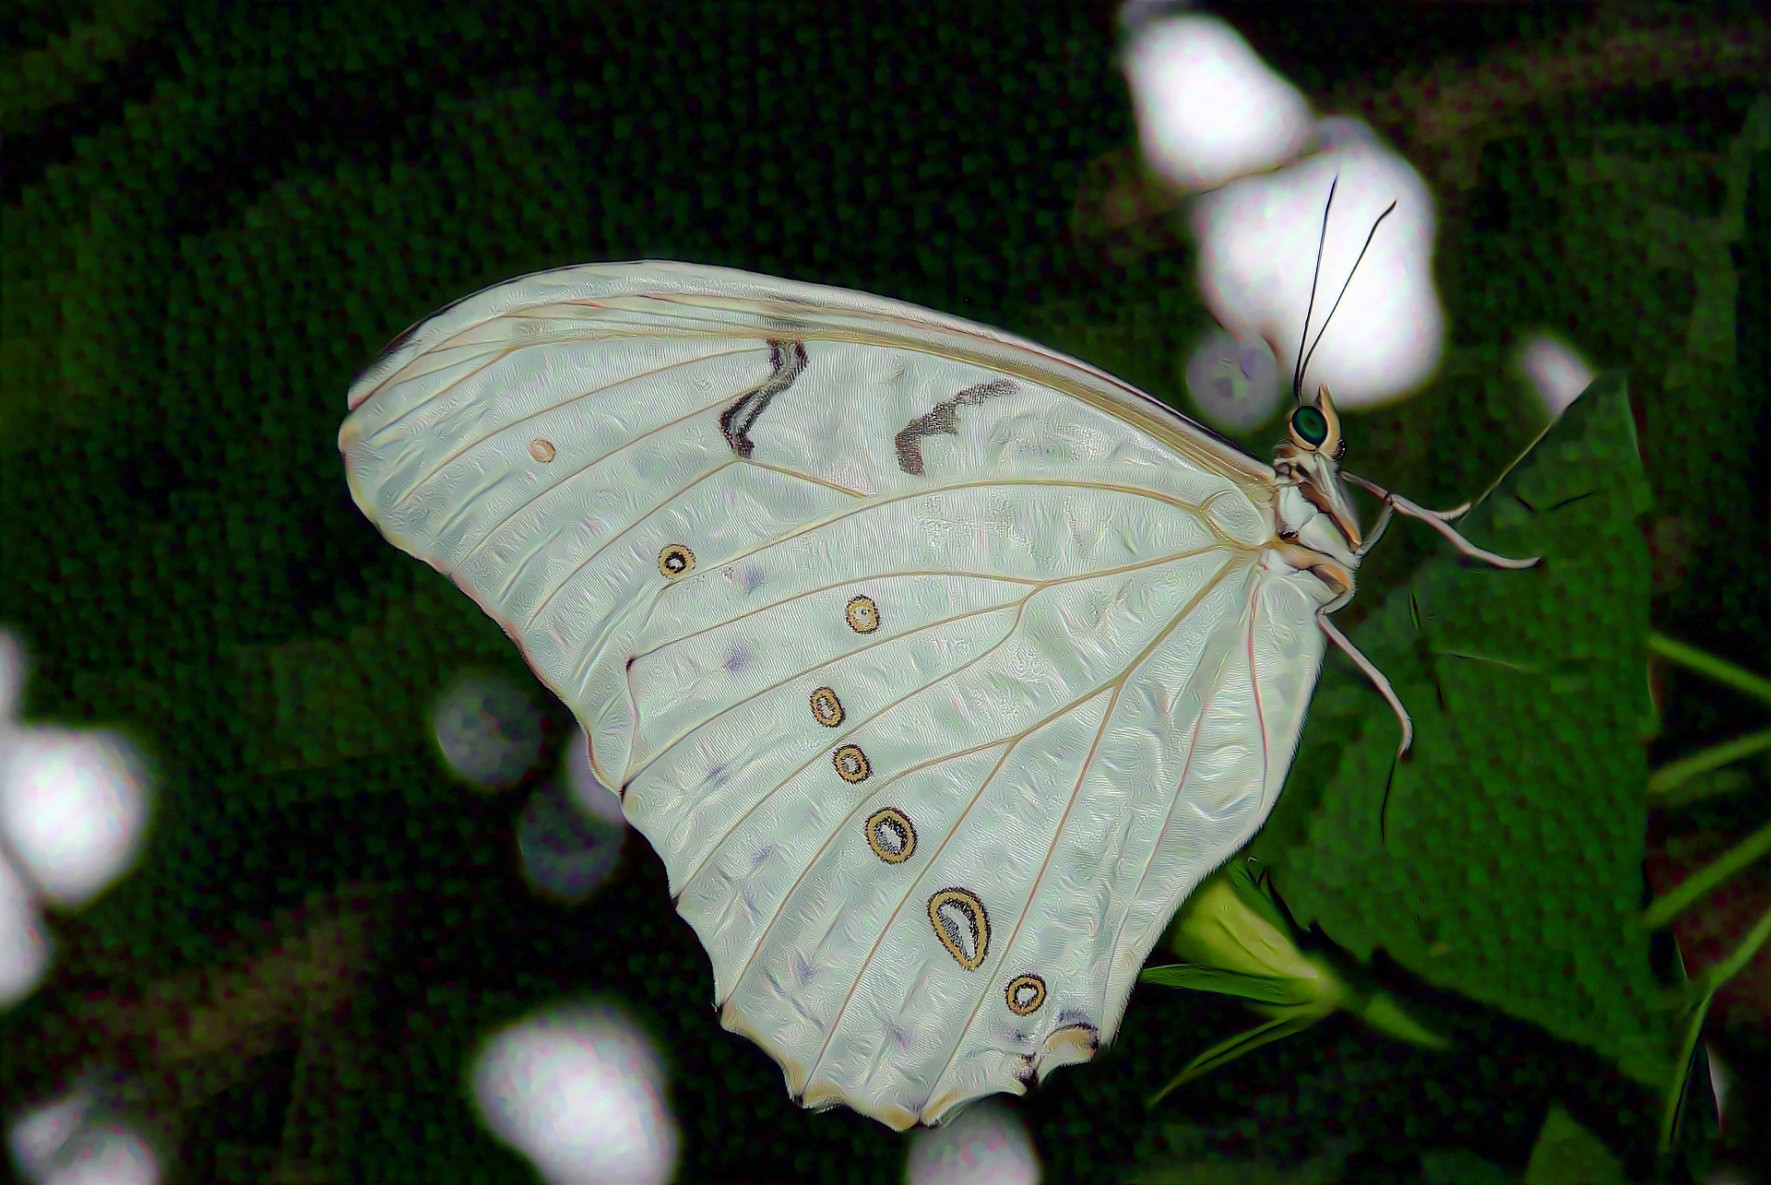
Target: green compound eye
1310,425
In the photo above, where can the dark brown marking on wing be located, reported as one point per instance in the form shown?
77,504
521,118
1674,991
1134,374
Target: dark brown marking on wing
788,361
942,420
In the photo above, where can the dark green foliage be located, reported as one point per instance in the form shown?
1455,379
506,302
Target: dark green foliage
204,236
1492,882
1503,858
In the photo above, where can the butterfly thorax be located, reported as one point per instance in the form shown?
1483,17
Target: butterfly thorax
1308,540
1313,519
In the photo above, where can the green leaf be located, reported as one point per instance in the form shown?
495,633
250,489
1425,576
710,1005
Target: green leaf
1504,858
1567,1154
1284,1025
1260,989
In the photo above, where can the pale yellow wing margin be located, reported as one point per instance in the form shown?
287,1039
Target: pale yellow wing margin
810,586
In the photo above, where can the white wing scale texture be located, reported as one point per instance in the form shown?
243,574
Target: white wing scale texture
935,705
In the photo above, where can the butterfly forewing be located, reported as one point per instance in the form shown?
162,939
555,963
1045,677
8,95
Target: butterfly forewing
937,667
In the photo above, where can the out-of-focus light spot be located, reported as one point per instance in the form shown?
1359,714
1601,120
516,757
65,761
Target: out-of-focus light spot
73,806
1555,370
34,1139
985,1145
107,1153
24,949
12,675
590,794
489,730
1235,385
1207,107
1258,239
566,852
64,1143
580,1093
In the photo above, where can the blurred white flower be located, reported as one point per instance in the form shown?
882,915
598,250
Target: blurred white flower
1258,242
580,1093
985,1145
1555,370
73,811
68,1142
36,1137
489,730
1208,108
106,1153
12,675
24,948
73,808
1212,116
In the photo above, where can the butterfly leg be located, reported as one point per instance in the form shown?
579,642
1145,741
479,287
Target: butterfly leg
1338,578
1378,528
1439,520
1369,668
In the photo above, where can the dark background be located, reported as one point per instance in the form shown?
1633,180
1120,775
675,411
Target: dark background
213,217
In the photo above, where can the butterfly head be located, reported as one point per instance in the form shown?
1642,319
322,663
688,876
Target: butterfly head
1310,460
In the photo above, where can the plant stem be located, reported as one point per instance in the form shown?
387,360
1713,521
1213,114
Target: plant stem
1728,968
1701,992
1702,882
1694,1019
1675,773
1709,665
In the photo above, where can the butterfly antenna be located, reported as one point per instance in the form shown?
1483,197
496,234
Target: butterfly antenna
1297,371
1304,363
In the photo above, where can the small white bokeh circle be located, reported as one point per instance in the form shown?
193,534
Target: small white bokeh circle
588,792
1555,371
488,730
579,1091
1235,385
567,852
985,1145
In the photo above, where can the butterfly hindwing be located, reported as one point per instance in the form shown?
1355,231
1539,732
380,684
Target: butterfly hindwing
936,667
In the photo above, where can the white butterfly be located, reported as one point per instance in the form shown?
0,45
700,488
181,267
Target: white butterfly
937,666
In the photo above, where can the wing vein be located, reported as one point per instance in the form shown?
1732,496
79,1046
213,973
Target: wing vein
824,588
858,724
456,455
1114,683
1037,586
1254,684
1039,878
617,536
913,890
1117,685
497,355
1198,722
836,833
836,741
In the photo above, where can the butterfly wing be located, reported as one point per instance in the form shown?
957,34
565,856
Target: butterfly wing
937,667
